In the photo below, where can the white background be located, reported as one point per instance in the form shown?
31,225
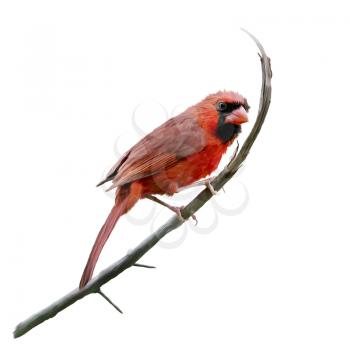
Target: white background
274,277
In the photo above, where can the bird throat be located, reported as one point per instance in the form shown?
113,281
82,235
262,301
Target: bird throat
226,131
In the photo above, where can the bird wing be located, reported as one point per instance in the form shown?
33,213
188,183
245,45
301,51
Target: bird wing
177,138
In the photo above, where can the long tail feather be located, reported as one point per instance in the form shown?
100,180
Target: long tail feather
117,211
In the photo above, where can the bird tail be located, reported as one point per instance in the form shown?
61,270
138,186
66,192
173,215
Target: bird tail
122,205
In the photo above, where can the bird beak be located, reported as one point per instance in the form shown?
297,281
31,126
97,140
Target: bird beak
238,116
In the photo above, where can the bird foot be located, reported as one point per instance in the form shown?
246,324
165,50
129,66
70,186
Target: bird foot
177,211
210,187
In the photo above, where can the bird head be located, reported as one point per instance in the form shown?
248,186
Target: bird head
227,111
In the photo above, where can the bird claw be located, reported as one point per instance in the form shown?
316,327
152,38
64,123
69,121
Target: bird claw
195,219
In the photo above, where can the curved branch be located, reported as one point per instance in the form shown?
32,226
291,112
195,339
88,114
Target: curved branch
134,255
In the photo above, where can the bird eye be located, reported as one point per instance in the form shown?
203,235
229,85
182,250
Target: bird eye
222,106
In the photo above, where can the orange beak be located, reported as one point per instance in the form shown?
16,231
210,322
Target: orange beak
238,116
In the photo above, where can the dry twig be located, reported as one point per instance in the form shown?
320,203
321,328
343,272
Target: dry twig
134,255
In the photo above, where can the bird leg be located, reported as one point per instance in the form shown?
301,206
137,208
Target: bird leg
176,210
205,182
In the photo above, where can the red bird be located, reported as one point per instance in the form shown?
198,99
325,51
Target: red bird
181,151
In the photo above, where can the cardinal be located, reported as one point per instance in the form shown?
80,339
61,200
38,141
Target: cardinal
177,154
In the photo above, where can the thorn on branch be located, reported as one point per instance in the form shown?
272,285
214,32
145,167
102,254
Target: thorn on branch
145,266
104,296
